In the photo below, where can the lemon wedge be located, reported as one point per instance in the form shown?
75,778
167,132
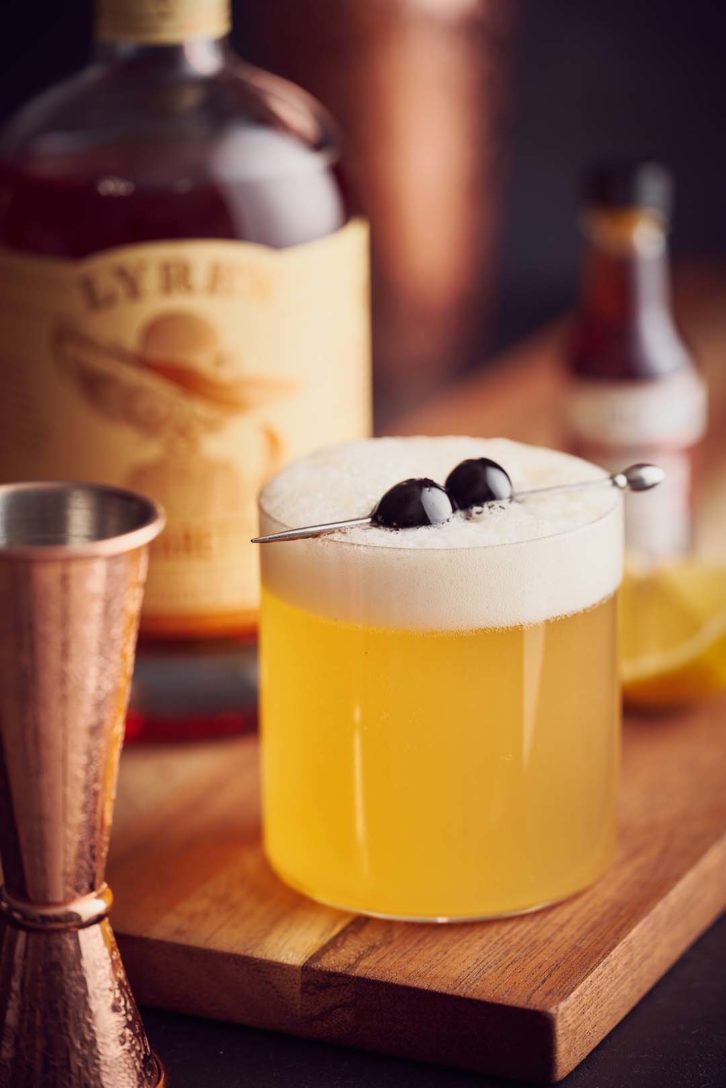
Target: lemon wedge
673,635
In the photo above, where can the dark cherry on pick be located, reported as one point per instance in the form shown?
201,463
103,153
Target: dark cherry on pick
478,481
413,503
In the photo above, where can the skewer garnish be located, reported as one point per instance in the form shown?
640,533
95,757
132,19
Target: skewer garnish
472,485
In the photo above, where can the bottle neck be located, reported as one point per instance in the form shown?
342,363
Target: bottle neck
625,275
202,55
172,33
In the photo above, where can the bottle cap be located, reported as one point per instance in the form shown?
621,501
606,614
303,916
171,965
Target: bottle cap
629,184
161,22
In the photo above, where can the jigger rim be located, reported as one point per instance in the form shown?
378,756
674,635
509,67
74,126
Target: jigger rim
152,520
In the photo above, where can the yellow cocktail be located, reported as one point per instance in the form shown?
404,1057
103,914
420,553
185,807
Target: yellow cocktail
440,705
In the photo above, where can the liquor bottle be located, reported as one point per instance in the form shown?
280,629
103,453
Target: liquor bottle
184,306
635,393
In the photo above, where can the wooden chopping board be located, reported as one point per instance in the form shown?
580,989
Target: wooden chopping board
205,927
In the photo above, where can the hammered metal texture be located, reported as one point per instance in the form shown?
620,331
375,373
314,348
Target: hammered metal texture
69,1018
67,637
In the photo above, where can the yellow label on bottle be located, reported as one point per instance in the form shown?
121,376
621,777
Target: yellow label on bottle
189,371
161,22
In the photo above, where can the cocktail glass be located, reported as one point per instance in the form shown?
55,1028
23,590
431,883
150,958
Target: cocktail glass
440,706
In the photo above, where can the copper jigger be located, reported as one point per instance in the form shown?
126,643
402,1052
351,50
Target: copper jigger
73,561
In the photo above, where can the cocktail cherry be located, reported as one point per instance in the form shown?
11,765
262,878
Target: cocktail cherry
478,481
417,502
413,503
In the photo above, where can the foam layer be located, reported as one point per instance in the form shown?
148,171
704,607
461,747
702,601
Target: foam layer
515,564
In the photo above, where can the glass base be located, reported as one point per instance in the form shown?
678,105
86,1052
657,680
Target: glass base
443,919
185,691
447,920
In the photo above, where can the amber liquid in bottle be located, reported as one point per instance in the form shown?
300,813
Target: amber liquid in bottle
158,142
635,394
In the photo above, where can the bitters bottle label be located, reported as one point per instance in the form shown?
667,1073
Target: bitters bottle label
658,420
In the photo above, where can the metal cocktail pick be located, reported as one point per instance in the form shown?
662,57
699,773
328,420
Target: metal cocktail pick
640,477
72,567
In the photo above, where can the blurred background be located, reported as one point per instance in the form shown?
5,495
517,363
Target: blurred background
468,124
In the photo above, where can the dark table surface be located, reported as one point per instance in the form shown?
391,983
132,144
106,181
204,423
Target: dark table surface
675,1038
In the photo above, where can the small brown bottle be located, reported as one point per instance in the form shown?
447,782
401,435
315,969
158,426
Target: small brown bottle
635,393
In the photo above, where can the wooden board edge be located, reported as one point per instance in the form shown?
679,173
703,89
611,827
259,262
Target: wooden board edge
211,984
639,960
334,1008
428,1025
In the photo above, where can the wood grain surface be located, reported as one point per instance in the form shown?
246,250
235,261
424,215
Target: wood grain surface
205,927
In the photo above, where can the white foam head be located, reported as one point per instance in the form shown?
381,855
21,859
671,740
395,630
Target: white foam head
515,564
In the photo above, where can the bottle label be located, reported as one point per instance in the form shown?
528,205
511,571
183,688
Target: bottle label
161,22
670,410
619,423
189,371
658,523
